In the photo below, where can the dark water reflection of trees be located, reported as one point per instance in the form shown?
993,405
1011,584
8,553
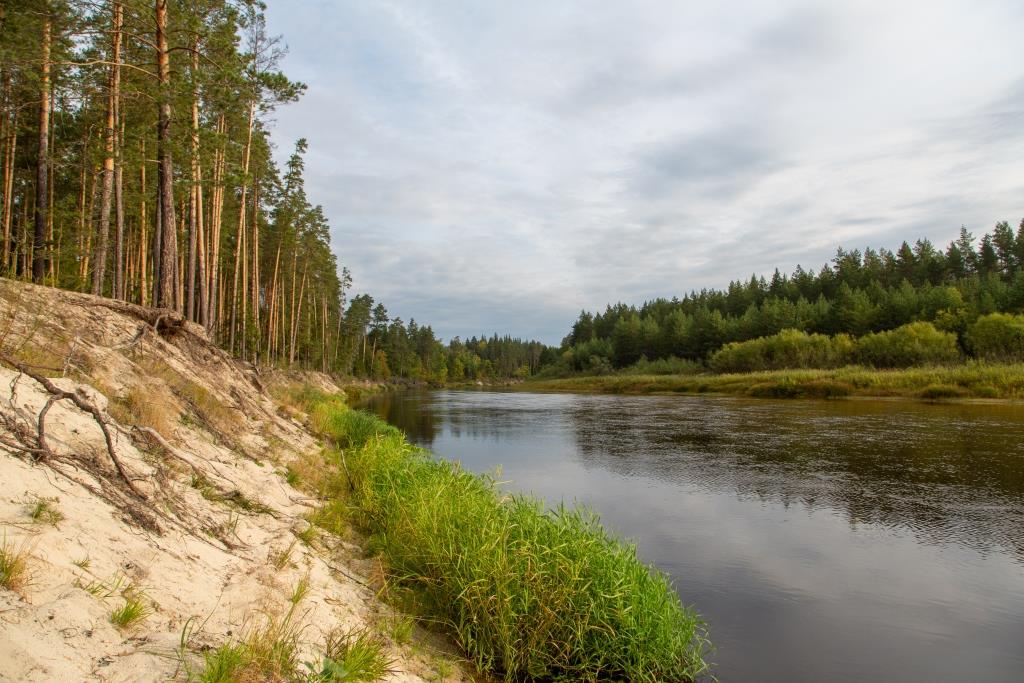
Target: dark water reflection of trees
949,473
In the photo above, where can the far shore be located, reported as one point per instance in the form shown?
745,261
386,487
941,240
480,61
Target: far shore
974,382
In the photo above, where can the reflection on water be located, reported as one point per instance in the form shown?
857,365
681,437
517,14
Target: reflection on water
845,540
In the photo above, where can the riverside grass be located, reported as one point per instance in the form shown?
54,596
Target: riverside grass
528,593
966,380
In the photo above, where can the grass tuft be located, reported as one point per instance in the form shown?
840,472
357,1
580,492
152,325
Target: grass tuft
279,559
300,591
350,657
134,610
400,628
14,570
267,652
149,407
233,498
45,511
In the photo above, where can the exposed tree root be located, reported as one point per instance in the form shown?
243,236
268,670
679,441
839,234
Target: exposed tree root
58,394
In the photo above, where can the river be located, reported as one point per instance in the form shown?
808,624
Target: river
821,540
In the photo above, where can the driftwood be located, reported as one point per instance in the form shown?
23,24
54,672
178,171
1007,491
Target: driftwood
58,394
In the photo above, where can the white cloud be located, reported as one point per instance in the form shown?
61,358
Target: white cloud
501,165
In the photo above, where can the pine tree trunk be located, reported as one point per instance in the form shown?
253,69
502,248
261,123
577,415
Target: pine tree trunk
99,265
10,144
195,197
86,250
240,249
42,160
119,276
165,276
256,264
272,305
143,230
214,314
296,314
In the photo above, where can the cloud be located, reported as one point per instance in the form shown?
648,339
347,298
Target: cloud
502,165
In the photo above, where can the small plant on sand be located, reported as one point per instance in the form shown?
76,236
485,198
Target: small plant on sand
83,563
45,511
135,609
350,657
105,589
333,517
279,559
443,668
399,627
147,407
307,535
300,592
267,652
14,574
234,498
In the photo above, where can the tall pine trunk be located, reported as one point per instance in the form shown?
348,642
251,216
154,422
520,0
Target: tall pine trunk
99,264
195,276
166,290
43,157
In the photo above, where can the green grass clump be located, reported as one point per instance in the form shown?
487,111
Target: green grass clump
267,651
233,498
332,516
528,593
350,657
400,628
45,511
14,574
134,610
348,428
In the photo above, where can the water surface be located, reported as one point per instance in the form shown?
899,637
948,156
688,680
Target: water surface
821,540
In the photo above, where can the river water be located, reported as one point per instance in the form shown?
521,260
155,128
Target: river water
821,540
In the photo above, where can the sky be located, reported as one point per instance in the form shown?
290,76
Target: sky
499,166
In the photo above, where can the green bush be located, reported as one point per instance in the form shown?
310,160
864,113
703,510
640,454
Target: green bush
913,344
934,392
528,593
663,366
786,350
997,337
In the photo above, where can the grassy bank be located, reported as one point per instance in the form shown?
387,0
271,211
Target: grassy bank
527,593
971,380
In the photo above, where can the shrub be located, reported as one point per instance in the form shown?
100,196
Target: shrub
663,366
934,392
997,337
786,350
913,344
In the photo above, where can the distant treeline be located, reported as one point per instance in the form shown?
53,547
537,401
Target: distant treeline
857,294
383,348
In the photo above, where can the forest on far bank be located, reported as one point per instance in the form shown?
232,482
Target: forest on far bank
880,308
